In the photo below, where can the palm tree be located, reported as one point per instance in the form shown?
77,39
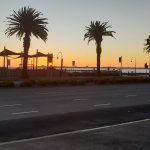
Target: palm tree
95,32
147,45
25,23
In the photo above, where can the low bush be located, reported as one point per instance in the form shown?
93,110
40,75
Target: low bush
51,82
7,84
27,83
75,81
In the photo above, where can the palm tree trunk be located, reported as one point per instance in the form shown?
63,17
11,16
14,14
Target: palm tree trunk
26,45
98,51
24,69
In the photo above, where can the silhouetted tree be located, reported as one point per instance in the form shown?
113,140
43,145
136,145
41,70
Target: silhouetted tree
147,45
25,23
95,32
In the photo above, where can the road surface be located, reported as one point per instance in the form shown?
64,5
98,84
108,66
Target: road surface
28,102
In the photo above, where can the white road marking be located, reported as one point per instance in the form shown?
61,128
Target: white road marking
131,95
80,99
59,93
98,105
24,96
45,93
21,113
10,105
75,132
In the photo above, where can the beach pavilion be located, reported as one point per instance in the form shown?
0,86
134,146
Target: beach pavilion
5,54
35,57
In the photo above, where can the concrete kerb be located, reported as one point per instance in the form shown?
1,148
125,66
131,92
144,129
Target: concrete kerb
51,124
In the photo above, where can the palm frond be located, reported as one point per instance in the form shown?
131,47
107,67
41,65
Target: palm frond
147,45
27,21
97,30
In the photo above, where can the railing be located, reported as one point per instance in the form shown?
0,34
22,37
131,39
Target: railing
4,72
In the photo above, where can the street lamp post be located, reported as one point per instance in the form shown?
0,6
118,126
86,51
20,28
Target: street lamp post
134,62
61,62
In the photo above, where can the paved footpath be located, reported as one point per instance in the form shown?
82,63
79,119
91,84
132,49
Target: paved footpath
126,136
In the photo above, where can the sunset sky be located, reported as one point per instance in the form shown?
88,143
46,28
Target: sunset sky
66,23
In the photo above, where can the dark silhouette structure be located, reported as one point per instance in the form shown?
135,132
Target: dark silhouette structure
95,32
147,45
37,55
5,54
24,23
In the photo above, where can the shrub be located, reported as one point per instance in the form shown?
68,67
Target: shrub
77,82
27,83
7,84
51,82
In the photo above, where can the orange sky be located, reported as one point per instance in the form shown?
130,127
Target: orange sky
66,24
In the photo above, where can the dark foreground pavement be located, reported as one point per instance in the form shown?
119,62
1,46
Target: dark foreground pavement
130,136
18,129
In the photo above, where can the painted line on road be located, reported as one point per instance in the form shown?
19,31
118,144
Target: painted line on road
99,105
10,105
131,95
58,92
25,96
45,93
27,112
75,132
80,99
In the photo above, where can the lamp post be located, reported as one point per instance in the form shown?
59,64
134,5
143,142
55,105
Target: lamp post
61,62
134,62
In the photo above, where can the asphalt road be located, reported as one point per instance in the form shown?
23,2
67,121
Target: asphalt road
126,136
27,102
